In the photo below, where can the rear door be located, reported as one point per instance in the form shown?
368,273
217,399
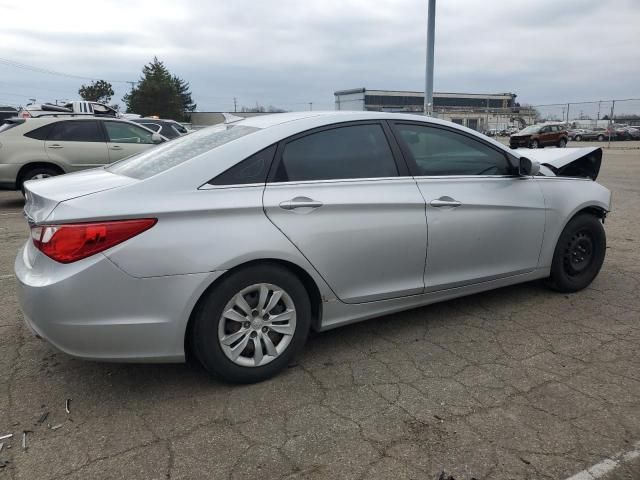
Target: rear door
484,222
125,139
77,144
344,198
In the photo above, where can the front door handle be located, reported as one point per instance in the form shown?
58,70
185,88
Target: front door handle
300,202
116,147
55,145
445,202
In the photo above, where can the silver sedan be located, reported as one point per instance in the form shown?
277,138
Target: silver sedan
235,241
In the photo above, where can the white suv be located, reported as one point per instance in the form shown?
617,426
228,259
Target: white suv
47,146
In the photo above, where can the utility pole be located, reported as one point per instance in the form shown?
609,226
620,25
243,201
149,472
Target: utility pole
310,105
431,27
568,104
235,104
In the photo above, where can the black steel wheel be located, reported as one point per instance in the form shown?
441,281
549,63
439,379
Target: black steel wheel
579,254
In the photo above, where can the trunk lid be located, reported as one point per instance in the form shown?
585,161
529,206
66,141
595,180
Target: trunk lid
42,196
569,162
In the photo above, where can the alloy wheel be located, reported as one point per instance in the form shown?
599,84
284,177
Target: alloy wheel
257,325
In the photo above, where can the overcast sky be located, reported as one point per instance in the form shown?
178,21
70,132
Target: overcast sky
290,52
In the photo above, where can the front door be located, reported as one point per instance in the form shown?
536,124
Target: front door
76,145
483,221
125,139
342,198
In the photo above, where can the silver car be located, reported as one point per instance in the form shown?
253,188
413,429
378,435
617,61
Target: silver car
233,242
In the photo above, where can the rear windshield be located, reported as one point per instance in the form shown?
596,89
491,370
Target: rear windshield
175,152
7,124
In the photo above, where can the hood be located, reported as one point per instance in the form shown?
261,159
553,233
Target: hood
568,162
42,196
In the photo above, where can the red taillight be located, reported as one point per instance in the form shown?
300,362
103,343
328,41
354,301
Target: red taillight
68,243
25,114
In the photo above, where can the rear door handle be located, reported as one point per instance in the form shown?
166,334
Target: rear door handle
445,202
55,145
116,147
300,202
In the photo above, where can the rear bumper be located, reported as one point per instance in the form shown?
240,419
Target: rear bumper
93,310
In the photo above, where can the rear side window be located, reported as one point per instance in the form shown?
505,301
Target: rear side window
437,151
179,128
170,154
41,133
356,151
76,131
251,170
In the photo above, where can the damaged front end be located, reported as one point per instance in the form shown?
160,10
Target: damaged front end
568,162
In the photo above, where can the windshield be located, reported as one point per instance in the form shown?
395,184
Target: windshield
530,129
175,152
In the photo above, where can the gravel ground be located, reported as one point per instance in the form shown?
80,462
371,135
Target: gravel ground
518,383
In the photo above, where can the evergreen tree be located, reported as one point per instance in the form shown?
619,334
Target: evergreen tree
160,93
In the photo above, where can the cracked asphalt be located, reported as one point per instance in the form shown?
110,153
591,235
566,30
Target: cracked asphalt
518,383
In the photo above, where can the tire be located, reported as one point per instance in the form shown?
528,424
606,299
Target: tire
37,173
562,143
534,144
253,363
577,138
601,138
579,254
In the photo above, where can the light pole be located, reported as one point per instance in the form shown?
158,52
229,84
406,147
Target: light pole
431,27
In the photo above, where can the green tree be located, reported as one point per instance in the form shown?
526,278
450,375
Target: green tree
97,91
160,93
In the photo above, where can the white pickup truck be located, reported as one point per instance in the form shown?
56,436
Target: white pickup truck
79,107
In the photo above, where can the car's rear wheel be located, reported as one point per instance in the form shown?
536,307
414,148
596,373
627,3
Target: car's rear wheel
37,173
579,254
534,144
249,327
577,138
562,143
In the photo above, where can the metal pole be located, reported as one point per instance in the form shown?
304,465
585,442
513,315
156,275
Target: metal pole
568,112
431,27
613,107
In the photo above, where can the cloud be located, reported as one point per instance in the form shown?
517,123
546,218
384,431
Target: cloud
288,53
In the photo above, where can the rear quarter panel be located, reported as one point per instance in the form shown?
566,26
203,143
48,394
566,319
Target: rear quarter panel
564,198
197,231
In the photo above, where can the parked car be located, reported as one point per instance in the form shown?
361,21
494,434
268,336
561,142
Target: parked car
575,134
232,242
539,136
598,133
43,147
627,133
71,108
167,128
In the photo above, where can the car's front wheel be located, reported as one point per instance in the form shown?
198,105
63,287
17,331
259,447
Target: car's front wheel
577,138
601,138
579,254
250,326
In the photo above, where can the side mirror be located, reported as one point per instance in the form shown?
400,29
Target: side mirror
157,138
528,168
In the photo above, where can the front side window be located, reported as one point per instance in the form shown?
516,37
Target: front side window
120,132
437,151
356,151
76,131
